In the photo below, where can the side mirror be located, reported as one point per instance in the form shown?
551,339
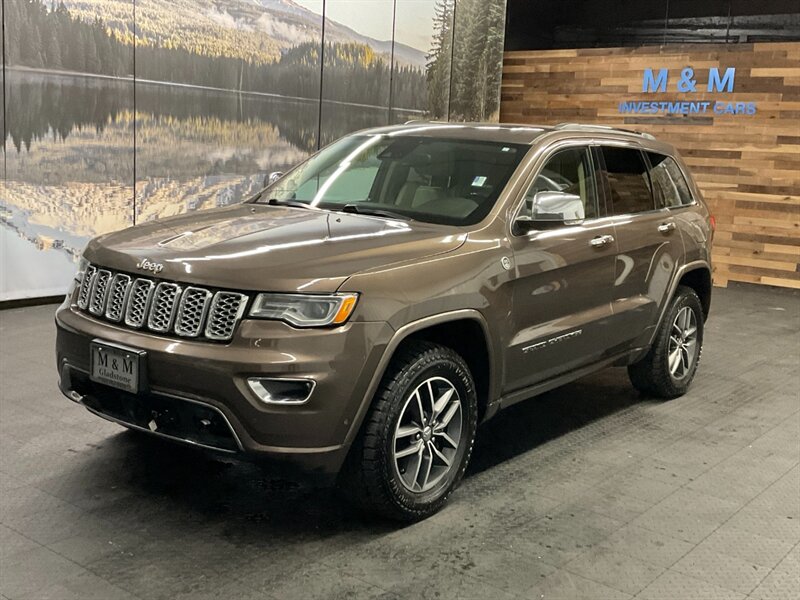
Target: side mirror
551,209
272,178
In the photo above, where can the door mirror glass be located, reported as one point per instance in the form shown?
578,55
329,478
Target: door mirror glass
272,178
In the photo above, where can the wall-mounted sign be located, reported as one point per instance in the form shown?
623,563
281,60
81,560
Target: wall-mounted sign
658,82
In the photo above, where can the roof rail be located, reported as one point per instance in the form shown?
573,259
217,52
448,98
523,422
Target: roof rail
588,127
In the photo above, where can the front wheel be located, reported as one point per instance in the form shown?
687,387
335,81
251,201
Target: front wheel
417,438
669,367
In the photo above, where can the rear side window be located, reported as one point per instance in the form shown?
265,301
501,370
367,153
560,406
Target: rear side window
669,184
628,182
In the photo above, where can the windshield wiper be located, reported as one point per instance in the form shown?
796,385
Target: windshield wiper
291,203
374,212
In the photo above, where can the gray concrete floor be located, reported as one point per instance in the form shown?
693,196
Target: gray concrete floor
586,492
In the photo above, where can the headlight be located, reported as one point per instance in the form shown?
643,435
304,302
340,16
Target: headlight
305,310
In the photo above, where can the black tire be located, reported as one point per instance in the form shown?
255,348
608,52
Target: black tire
370,477
652,375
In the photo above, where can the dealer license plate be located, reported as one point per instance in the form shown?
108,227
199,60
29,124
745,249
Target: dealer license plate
117,366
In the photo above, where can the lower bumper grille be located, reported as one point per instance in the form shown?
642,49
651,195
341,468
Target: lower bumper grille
177,419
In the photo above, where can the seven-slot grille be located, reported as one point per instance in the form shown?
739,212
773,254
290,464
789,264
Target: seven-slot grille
160,306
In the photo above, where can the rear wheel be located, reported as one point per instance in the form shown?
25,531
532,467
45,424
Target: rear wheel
669,367
417,438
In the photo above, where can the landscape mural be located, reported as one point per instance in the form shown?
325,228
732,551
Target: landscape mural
118,112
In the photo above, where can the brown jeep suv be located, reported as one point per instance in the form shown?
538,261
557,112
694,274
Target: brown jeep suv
367,310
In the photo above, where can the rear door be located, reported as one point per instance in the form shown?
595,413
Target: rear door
649,245
561,291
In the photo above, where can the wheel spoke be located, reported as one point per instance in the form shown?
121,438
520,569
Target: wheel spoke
448,416
432,397
446,438
415,447
438,453
418,465
428,468
674,360
685,359
440,404
419,408
676,341
685,318
407,430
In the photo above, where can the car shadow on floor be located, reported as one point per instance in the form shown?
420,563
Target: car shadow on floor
243,495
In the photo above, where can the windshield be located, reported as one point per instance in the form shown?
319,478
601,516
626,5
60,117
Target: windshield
437,180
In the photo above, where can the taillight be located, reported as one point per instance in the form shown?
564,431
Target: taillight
712,223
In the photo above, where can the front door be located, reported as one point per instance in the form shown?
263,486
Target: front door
561,298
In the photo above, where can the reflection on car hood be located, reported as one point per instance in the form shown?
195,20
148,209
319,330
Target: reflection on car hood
257,247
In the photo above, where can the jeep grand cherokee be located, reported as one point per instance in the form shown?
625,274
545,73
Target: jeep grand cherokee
367,310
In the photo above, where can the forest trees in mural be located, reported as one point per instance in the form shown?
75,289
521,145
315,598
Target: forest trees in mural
465,63
225,91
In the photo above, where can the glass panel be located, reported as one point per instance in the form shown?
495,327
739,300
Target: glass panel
669,185
628,182
428,179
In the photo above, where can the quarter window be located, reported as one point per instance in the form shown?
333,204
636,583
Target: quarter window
628,182
569,172
669,185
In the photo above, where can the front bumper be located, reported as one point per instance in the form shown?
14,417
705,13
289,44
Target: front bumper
197,391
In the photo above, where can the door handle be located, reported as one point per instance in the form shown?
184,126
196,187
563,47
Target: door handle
601,240
666,227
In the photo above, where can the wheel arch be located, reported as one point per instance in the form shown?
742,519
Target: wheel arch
698,278
457,330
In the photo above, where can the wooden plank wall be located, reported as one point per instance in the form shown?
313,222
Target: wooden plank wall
747,166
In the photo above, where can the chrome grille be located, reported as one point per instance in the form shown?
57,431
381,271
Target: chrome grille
162,310
117,296
192,311
84,293
162,306
226,308
97,303
138,302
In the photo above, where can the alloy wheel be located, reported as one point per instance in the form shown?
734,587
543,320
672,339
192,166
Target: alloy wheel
428,434
683,343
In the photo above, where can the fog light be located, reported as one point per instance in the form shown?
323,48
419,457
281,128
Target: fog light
281,391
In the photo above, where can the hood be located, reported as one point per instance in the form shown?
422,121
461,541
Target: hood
269,248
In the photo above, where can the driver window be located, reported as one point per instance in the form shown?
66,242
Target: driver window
568,172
